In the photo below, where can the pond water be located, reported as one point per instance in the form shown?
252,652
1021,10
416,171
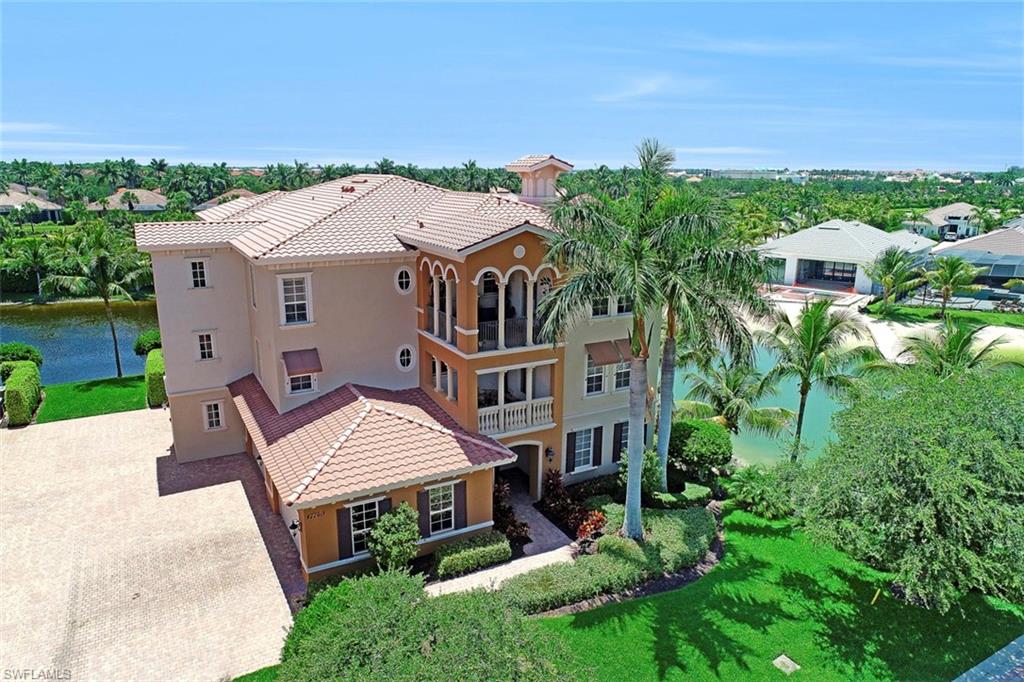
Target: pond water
754,448
74,337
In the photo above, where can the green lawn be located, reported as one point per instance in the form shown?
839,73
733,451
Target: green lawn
89,398
903,313
775,593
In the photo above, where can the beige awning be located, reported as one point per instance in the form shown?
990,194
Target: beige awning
298,362
609,352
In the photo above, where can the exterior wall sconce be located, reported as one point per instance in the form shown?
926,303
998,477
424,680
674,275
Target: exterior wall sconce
294,527
550,454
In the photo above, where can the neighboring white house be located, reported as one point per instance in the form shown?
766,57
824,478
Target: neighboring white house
833,255
949,223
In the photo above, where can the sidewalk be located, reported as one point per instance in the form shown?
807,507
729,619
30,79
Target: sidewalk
492,578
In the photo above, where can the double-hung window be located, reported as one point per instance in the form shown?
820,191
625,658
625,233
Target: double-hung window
621,375
295,299
213,415
301,383
363,517
595,377
623,437
623,307
442,508
599,307
583,453
205,347
198,274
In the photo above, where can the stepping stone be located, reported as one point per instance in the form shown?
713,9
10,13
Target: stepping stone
786,664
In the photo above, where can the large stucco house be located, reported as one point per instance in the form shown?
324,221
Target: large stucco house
833,255
374,340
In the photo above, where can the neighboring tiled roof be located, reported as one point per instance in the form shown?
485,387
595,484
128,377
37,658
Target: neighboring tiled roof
148,200
531,162
1008,241
15,199
359,440
364,215
230,195
848,241
938,216
184,234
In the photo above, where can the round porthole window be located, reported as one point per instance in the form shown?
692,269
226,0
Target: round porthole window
519,251
405,358
403,280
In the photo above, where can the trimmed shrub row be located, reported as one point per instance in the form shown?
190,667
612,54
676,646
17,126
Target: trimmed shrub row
147,341
471,554
16,350
23,390
156,393
676,539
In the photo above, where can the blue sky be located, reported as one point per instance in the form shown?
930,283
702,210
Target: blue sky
801,85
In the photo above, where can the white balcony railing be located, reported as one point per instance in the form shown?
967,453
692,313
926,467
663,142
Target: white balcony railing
515,416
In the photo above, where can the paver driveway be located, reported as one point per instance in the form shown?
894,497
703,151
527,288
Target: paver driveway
109,574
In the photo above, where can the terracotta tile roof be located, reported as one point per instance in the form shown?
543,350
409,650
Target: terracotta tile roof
148,200
365,214
183,234
230,195
12,198
532,161
359,440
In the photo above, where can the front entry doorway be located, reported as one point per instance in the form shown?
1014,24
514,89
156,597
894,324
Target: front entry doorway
525,473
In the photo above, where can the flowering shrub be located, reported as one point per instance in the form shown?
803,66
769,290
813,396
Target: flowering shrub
592,524
505,520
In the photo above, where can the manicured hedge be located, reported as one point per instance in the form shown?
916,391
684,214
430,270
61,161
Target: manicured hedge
156,393
23,390
698,446
675,539
147,341
470,554
16,350
693,495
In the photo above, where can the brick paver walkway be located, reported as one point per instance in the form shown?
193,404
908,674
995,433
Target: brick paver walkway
117,565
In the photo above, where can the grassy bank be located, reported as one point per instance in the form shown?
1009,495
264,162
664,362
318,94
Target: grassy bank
905,313
776,593
90,398
23,298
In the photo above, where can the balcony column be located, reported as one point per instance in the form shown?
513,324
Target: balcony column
501,317
437,375
436,284
529,395
451,384
529,314
501,400
449,332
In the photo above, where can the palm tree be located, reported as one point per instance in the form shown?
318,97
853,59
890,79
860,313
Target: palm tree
129,199
109,172
33,255
384,167
105,264
950,275
728,393
159,166
471,175
708,279
607,247
954,348
897,273
815,349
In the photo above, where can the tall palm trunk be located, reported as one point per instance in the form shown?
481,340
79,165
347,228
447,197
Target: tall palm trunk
665,403
804,390
113,333
39,285
633,525
945,300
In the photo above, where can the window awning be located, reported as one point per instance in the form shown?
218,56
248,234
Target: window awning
298,362
609,352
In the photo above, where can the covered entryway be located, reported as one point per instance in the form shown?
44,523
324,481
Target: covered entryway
524,475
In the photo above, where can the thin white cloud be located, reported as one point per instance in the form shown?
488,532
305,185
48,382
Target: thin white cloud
695,42
50,145
724,151
648,88
9,127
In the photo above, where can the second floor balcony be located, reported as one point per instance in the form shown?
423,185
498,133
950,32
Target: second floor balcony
515,399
